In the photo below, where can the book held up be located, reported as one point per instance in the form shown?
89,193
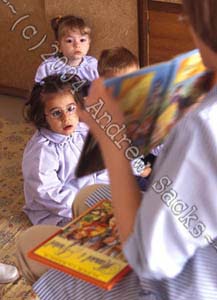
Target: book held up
152,99
87,248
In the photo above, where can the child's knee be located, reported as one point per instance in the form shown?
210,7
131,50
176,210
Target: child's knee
33,236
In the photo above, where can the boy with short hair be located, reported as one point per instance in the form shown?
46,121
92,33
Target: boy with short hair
117,61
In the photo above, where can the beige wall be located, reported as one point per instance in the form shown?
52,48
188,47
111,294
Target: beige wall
113,22
170,1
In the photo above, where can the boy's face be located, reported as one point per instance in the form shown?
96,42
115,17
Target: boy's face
61,113
74,46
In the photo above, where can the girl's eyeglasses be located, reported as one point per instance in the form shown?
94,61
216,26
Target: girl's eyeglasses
57,113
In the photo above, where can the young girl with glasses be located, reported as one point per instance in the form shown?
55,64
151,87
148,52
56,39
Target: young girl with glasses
51,155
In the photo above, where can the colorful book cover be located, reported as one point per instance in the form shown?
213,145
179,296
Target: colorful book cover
87,248
153,99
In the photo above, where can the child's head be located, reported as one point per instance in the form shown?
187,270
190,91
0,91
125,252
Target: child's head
52,104
72,36
202,18
117,61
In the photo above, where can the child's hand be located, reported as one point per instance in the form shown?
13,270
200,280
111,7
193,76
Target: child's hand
146,172
98,103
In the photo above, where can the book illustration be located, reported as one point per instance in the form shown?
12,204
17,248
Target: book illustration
186,69
163,105
179,100
88,248
96,231
153,100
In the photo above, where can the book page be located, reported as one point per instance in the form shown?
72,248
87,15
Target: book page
189,86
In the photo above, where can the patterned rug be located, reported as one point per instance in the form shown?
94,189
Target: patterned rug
13,137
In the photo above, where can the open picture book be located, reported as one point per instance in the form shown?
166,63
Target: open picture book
87,248
153,99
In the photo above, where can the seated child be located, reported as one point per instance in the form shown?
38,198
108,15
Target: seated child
73,42
51,155
119,61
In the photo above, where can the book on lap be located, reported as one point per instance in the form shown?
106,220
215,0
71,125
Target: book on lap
87,248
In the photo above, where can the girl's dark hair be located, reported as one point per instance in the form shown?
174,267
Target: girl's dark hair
61,25
202,17
48,88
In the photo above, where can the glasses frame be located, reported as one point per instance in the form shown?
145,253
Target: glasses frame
62,111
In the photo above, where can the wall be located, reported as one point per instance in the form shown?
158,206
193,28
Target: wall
167,36
169,1
25,24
